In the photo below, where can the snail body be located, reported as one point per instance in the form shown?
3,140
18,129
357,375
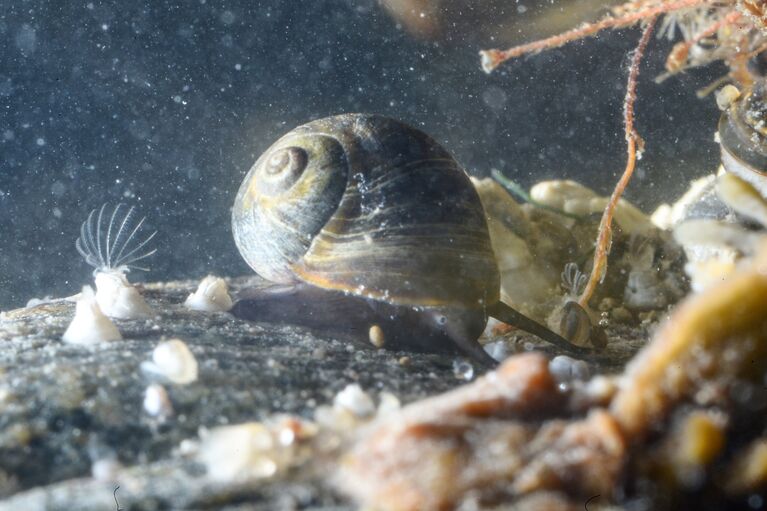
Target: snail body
365,221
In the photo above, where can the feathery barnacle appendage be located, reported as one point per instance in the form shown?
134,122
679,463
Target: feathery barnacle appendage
573,280
114,242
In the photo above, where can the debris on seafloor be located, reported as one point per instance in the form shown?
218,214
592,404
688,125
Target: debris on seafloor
90,325
173,361
109,243
260,450
543,243
683,410
212,295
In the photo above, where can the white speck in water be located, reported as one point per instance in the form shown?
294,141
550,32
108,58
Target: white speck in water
238,67
40,141
462,369
26,40
495,97
58,188
227,17
57,213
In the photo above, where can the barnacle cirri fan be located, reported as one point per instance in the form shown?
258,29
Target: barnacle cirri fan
113,244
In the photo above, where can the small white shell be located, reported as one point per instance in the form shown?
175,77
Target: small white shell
239,453
105,470
355,400
156,401
212,295
90,325
387,403
376,336
118,298
173,360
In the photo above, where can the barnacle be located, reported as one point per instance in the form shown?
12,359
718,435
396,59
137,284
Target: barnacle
90,325
212,295
173,361
113,245
573,280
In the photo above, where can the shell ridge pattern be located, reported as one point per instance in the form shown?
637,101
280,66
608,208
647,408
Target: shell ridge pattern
374,244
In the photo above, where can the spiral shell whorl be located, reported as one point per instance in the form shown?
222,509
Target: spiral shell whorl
408,226
277,214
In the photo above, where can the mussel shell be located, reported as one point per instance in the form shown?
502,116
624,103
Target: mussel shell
743,134
407,226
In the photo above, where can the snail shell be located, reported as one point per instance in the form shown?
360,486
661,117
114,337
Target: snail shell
367,221
369,206
743,136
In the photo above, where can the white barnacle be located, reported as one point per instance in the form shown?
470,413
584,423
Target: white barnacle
173,361
113,243
354,400
212,295
90,325
118,298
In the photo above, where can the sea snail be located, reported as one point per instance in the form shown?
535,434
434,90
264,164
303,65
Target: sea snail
743,133
367,222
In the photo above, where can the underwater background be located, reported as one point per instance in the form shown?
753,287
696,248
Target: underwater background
166,105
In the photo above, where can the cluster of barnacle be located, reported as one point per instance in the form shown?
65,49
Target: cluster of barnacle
113,242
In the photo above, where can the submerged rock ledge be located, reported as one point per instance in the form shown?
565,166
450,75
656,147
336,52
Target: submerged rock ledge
73,426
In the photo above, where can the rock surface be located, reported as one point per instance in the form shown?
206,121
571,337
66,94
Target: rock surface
73,427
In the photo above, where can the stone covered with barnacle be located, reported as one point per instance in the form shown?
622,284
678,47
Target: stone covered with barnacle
722,219
545,245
